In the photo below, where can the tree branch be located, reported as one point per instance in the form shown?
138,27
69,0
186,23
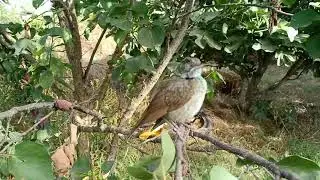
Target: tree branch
36,124
15,110
85,76
247,155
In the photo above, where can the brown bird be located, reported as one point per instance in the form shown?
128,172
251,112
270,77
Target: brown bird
178,99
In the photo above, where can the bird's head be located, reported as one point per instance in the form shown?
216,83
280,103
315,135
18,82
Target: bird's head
193,68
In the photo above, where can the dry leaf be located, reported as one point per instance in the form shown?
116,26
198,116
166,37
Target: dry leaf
70,151
63,159
61,162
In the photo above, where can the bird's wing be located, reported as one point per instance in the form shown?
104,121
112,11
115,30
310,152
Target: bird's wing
169,97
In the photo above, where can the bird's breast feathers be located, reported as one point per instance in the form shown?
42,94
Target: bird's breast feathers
193,106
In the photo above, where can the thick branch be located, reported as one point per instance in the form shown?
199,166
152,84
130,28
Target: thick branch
15,110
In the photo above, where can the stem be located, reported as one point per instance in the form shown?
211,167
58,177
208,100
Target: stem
85,76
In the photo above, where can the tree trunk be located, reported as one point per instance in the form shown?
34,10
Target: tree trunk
68,20
264,59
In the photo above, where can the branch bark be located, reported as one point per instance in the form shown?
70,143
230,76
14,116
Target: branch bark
85,76
29,107
247,155
68,19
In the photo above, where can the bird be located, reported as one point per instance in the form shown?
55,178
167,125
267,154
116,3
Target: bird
177,99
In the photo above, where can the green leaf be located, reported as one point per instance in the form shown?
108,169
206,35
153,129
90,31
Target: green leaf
200,42
212,43
201,34
151,163
208,16
4,168
122,23
42,135
168,155
265,45
134,64
313,46
37,3
80,168
218,173
292,33
151,36
288,2
23,44
232,47
120,36
304,18
140,9
57,67
61,32
305,168
139,172
46,79
299,163
31,161
107,166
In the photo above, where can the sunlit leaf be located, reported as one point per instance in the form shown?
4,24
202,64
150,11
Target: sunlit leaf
168,155
292,33
224,28
218,173
24,44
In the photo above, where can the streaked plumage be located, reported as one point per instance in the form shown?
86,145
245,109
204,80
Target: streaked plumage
178,99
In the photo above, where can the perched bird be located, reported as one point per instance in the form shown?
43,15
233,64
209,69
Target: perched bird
178,99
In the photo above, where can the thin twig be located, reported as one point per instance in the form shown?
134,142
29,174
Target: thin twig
85,76
36,124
